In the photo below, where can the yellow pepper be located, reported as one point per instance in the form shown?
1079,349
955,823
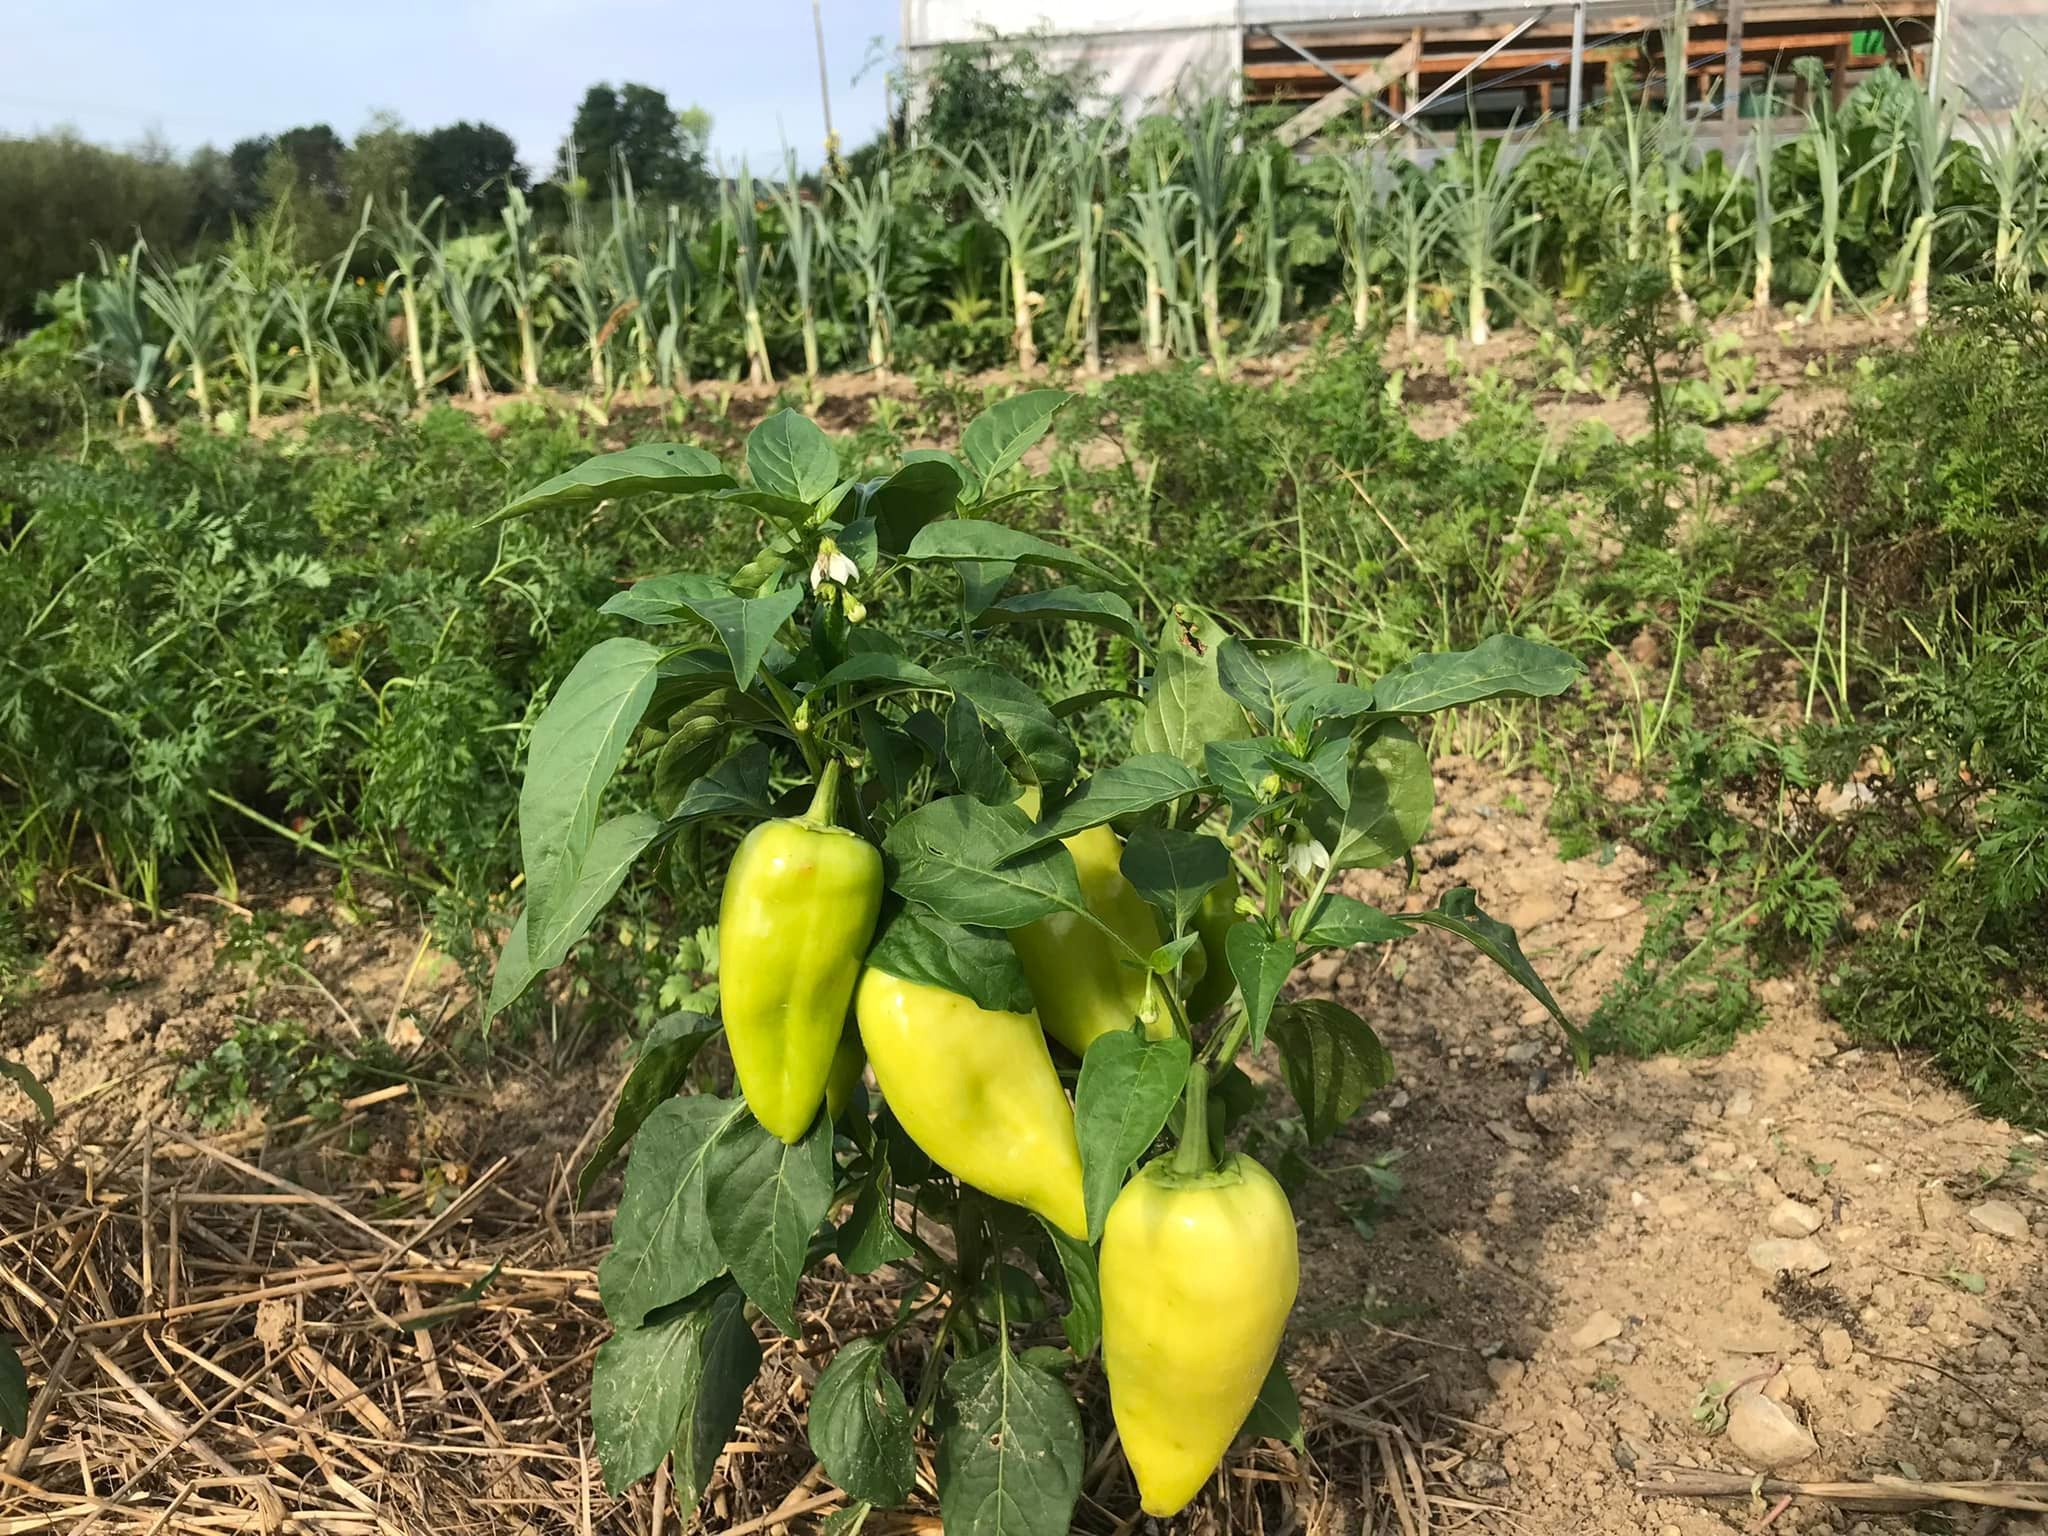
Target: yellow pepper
799,908
1084,984
1199,1269
976,1090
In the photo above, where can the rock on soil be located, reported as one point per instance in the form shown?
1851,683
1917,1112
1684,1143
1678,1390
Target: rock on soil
1792,1218
1766,1434
1795,1255
2000,1218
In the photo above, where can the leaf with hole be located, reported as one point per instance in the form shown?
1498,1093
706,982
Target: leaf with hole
1010,1451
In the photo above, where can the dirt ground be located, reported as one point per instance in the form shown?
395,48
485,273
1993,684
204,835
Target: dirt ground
1796,1257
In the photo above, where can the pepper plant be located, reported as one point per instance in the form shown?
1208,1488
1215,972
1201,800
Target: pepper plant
1050,970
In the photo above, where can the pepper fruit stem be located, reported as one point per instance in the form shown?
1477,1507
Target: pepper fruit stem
1193,1156
826,801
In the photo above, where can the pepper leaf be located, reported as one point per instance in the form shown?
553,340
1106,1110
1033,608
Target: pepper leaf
1174,869
675,1386
1128,1086
1136,784
1236,768
29,1084
658,600
1276,1415
13,1390
662,1247
1266,676
1261,966
1010,1452
747,625
869,1237
860,1427
764,1199
973,538
1341,921
978,963
1500,666
1457,911
1392,795
921,492
612,851
976,768
789,455
672,467
1082,1321
1332,1062
1188,708
736,787
1104,609
1014,709
1000,435
671,1045
950,857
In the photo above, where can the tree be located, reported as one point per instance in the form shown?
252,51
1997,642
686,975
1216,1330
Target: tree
468,166
379,164
315,153
663,150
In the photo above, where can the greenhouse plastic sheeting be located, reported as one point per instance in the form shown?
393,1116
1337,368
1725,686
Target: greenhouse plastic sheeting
1137,51
1993,48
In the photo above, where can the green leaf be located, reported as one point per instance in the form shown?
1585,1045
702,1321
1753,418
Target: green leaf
659,599
1105,610
880,667
977,963
1012,707
1328,768
1082,1321
736,787
670,467
662,1246
674,1385
1266,676
765,1198
789,455
950,858
1010,1453
1392,795
1276,1415
672,1044
869,1237
1332,1062
1328,701
25,1080
614,848
577,746
1499,667
690,751
747,625
1000,435
893,756
1188,708
860,1425
1261,966
1341,921
1174,870
1123,789
1007,1292
788,514
1128,1086
920,492
13,1390
968,538
1457,911
1237,768
970,483
976,768
981,583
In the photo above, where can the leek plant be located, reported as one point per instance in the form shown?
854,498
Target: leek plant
1358,219
738,196
866,230
1151,232
1674,143
1481,219
800,235
1930,151
1012,196
411,249
678,273
1415,218
252,292
523,280
1763,155
187,301
117,330
582,271
467,279
1626,146
629,271
2015,162
1213,171
1825,133
1088,169
312,316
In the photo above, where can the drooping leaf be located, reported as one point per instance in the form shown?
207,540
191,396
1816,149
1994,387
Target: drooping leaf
1329,702
1015,709
747,625
860,1425
576,747
880,667
613,849
1276,1415
1261,966
1499,667
1174,869
672,1044
970,538
1340,921
970,483
951,857
976,768
789,455
1392,795
662,1244
1010,1453
1188,708
978,963
869,1237
1332,1062
1327,767
659,599
921,492
1000,435
1122,789
739,786
675,468
674,1385
1082,1321
1128,1085
765,1198
1457,911
1267,676
1105,610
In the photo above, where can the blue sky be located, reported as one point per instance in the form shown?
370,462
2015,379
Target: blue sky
116,70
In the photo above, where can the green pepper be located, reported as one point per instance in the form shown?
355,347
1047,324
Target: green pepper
799,908
1084,983
1212,988
849,1062
977,1092
1199,1268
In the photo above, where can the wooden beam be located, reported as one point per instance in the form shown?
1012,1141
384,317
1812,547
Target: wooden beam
1367,82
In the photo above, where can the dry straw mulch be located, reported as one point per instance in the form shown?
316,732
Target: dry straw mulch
248,1332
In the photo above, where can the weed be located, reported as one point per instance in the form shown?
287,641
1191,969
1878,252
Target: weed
278,1070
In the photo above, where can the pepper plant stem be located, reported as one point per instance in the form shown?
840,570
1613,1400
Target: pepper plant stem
826,801
1192,1156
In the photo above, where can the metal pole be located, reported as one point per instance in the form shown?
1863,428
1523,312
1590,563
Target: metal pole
1578,80
1937,48
824,88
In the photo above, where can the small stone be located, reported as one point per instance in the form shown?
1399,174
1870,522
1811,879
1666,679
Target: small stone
1506,1374
1741,1106
2000,1219
1993,1352
1766,1434
1595,1331
1802,1256
1508,1135
1866,1415
1478,1472
1794,1218
1837,1348
1520,1055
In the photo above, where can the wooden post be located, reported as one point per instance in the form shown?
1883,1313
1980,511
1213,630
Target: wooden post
1838,75
1731,81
